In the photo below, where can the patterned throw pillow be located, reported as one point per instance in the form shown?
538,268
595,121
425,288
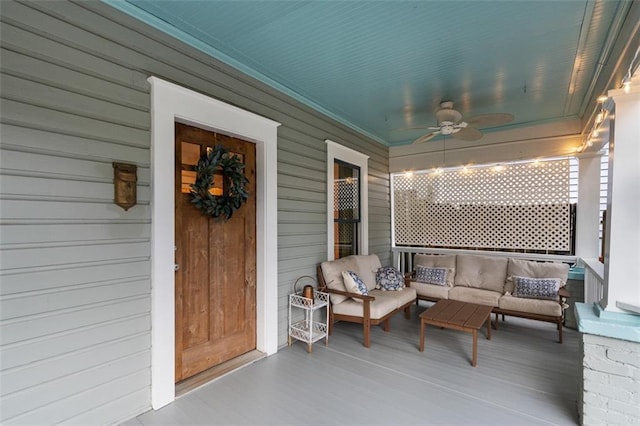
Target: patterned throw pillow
354,284
389,278
536,288
425,274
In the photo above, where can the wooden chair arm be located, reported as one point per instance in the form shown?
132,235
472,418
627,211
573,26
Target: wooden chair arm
354,295
563,292
408,276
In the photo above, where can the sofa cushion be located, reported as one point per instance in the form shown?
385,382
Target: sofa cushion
332,273
368,265
438,261
532,306
354,284
475,295
483,272
532,269
431,290
405,296
536,288
431,275
384,303
389,278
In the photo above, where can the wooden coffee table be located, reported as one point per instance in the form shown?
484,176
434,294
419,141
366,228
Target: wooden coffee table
455,315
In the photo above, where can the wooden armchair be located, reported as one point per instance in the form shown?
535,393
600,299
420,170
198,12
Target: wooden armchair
376,308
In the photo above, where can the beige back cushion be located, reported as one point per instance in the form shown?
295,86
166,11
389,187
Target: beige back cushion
435,260
365,266
532,269
489,273
438,261
332,273
368,265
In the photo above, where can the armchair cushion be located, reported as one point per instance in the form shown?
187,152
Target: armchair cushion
385,302
332,273
367,266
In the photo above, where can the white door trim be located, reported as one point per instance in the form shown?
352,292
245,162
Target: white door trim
340,152
171,103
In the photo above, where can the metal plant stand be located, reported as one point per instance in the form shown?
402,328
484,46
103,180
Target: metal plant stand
313,327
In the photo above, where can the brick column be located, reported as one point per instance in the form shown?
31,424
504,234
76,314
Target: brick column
611,381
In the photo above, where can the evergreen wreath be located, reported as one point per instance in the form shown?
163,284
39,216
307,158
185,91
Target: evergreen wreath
234,183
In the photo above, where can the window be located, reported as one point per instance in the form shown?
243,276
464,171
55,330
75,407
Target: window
347,202
346,208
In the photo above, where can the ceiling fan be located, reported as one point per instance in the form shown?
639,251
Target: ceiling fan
450,123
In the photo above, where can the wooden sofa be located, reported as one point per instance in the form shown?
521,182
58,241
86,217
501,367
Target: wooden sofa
376,308
488,280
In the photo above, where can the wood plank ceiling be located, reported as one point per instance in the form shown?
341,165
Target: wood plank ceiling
381,67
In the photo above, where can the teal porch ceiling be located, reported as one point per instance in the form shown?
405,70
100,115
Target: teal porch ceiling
383,66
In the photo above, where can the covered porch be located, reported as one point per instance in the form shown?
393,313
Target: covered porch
523,377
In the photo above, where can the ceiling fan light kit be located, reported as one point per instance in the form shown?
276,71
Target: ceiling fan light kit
450,123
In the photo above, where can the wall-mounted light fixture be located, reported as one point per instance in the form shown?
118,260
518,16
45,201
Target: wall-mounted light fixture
125,179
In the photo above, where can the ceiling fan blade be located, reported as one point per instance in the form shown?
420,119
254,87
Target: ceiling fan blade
406,129
427,137
490,120
467,134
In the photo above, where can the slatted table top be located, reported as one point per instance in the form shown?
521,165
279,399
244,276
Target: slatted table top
455,313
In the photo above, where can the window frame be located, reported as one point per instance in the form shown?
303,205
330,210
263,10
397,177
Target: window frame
335,151
353,222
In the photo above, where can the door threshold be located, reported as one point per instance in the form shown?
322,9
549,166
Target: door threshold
217,371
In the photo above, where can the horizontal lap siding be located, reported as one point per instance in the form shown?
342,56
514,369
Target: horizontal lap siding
75,289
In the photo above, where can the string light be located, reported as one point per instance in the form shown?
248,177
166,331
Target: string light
600,117
626,81
626,84
469,168
605,112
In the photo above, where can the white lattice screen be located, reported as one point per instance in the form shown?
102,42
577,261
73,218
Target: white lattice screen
346,196
522,206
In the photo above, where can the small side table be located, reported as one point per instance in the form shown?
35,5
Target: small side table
309,329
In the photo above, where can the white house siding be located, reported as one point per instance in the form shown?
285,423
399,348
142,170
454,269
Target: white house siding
75,268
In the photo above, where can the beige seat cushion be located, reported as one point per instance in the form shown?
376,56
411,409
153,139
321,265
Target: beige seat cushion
483,272
532,269
403,296
431,290
332,272
533,306
438,261
475,295
386,301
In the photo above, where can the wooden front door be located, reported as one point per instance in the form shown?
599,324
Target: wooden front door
216,276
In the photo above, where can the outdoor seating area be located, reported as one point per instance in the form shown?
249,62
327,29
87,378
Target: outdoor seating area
308,212
522,377
514,287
